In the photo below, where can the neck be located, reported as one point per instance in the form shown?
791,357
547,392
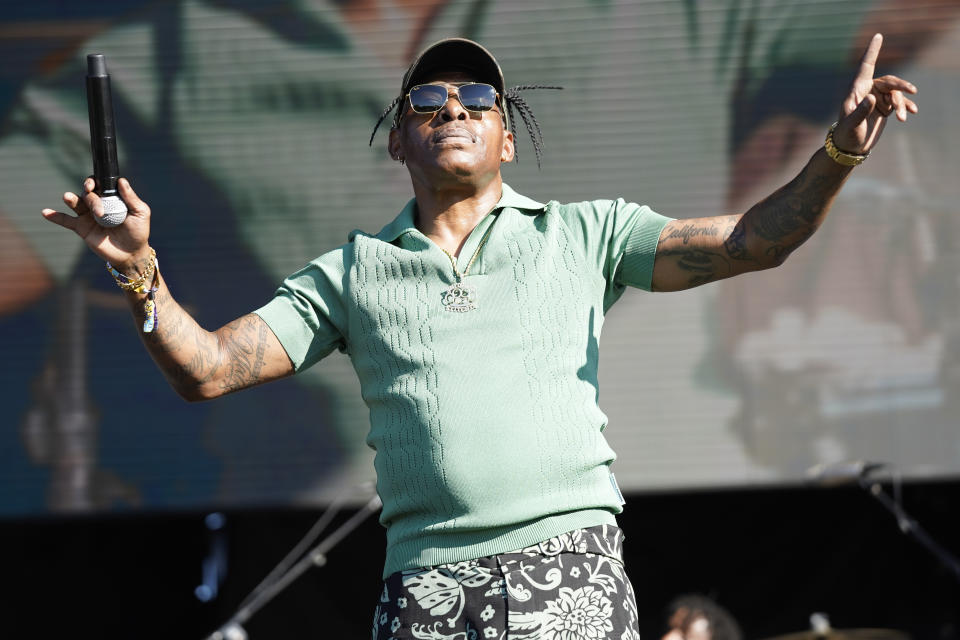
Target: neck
448,215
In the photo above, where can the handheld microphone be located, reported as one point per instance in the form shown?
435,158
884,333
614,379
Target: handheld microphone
103,141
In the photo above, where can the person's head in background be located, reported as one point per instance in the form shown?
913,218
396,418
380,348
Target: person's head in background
694,617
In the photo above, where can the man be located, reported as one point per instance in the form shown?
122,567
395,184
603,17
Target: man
473,321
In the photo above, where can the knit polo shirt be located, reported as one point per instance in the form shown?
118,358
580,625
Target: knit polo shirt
485,423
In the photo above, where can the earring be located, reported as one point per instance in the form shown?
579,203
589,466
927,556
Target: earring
402,161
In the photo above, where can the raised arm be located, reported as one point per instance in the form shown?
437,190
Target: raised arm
696,251
199,364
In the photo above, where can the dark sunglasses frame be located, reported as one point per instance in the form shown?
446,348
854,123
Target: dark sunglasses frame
434,108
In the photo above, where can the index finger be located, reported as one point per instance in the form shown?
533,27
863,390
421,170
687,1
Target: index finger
869,59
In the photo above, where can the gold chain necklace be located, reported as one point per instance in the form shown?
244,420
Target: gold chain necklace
460,297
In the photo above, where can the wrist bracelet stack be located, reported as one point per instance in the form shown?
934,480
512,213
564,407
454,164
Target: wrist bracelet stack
842,157
139,285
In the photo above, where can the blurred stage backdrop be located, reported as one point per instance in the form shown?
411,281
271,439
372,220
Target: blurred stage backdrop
245,124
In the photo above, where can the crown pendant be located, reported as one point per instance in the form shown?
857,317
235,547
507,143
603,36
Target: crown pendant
459,298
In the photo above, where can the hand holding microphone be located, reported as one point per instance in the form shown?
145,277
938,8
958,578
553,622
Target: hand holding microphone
109,216
103,142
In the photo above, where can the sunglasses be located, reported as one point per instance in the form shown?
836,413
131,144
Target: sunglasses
474,96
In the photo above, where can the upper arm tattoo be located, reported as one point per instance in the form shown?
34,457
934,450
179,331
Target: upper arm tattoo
699,266
697,251
243,346
685,230
736,241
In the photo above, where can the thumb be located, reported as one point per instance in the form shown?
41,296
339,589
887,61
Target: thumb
136,205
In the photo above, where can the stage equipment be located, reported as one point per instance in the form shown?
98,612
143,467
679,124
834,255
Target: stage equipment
103,141
290,568
841,473
820,629
862,473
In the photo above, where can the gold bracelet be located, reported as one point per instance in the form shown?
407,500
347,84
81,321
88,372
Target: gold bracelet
842,157
128,284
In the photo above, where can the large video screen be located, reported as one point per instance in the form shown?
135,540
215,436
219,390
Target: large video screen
245,126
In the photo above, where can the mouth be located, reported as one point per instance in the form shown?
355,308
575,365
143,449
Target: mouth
450,133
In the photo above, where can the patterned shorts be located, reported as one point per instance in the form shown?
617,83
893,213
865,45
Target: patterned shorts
571,587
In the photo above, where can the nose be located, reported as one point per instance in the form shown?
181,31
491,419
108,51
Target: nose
453,109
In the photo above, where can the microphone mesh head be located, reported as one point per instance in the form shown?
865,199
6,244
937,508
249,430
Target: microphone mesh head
114,212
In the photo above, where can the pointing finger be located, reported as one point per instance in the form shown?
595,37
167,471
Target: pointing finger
869,60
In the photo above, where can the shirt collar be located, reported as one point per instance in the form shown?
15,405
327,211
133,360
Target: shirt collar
513,200
404,222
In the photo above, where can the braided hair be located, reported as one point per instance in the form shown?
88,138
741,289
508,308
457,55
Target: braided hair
511,99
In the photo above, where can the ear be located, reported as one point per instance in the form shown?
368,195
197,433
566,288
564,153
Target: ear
506,153
393,145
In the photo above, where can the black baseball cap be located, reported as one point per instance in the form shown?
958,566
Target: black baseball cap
454,54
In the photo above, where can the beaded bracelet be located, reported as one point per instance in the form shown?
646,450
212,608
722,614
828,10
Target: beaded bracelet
150,319
139,285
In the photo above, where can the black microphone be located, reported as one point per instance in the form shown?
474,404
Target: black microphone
103,141
841,473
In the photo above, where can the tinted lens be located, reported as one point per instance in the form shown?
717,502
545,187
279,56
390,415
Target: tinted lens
428,98
477,96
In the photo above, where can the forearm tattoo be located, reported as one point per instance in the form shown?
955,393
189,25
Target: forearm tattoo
186,353
701,250
191,357
792,212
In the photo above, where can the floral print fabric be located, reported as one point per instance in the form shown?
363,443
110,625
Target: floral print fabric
571,587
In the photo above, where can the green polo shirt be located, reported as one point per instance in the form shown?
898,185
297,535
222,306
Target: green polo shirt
485,423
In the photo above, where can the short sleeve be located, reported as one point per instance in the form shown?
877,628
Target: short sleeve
632,265
307,313
618,238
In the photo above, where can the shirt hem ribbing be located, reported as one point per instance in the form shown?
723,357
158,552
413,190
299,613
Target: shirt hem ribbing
430,550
